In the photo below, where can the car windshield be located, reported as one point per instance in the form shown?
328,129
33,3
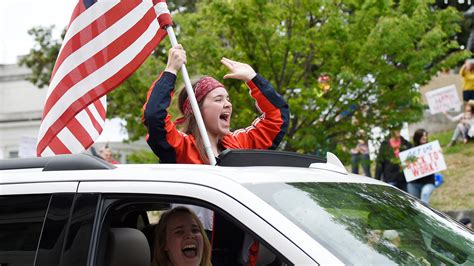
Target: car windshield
380,222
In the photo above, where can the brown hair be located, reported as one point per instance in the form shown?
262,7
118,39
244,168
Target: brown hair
190,126
160,256
418,135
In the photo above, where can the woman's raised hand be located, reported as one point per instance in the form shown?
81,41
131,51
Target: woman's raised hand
176,58
238,70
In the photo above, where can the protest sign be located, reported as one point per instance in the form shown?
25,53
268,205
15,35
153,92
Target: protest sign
422,160
27,147
443,99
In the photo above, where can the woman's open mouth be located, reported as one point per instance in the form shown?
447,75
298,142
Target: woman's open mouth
225,117
189,251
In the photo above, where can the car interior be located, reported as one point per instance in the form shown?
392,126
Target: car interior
129,224
417,242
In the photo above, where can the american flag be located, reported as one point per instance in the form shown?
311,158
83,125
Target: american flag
106,41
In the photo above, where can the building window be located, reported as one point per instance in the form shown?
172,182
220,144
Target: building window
13,154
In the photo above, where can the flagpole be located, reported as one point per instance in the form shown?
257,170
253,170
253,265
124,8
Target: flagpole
193,101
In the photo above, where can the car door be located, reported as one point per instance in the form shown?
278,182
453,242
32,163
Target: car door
199,195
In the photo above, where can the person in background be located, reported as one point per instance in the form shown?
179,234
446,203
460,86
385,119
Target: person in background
421,188
465,128
467,74
107,155
180,240
360,155
388,166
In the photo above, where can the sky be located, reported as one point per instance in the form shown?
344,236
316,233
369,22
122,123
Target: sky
18,16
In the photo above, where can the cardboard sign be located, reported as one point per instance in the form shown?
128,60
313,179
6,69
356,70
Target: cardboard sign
27,147
443,99
422,160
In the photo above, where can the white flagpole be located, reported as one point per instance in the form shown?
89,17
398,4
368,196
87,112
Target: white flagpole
193,102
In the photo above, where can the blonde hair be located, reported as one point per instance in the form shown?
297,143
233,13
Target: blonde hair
471,103
160,256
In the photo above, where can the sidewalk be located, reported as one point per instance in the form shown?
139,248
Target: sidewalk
433,123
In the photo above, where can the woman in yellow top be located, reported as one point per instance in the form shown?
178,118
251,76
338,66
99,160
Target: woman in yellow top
467,74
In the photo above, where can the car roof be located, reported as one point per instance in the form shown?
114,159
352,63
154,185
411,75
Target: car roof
189,173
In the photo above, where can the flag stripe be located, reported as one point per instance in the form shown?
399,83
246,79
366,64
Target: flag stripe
93,81
93,121
88,16
99,107
111,82
47,152
58,147
98,60
75,13
99,43
82,20
80,35
96,116
86,121
161,8
69,141
79,132
104,44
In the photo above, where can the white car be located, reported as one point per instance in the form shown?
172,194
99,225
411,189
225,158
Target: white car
79,210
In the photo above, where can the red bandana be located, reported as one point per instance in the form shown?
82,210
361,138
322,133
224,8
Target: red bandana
205,85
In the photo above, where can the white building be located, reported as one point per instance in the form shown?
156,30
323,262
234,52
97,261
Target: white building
21,106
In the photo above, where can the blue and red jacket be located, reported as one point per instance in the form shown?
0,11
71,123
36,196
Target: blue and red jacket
174,146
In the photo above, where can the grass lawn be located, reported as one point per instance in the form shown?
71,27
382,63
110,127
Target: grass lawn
457,191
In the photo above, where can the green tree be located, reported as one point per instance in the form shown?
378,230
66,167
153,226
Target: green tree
42,56
377,54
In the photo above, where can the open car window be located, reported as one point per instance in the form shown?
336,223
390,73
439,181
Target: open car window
230,240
